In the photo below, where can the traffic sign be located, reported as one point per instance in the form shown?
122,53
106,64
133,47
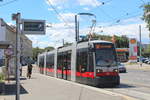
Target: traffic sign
34,27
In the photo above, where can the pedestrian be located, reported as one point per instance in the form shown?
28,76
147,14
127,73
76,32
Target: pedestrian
20,68
29,70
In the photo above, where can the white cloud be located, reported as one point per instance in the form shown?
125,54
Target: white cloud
55,2
11,23
54,36
59,7
131,30
59,31
50,9
132,20
86,8
67,17
92,3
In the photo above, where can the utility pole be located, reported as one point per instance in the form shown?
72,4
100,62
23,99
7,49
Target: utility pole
140,45
63,42
17,18
76,29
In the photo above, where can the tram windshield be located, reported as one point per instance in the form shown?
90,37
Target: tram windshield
105,55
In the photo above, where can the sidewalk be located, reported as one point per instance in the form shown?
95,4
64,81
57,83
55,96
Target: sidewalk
41,87
137,66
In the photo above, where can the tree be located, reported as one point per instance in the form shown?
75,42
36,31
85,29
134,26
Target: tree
67,44
120,41
49,48
38,50
146,15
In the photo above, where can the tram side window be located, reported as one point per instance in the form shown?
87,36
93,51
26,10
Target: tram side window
41,62
50,61
82,60
91,64
59,61
67,60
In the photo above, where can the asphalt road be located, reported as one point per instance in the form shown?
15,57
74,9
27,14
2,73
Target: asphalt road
134,83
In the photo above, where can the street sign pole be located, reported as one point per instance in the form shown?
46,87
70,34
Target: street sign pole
140,45
17,17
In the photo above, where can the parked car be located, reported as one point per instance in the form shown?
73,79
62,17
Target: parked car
121,68
147,60
143,59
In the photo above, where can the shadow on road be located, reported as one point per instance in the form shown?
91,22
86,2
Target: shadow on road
10,89
13,78
122,85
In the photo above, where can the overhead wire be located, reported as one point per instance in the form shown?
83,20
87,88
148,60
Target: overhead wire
60,16
116,20
142,1
58,13
9,2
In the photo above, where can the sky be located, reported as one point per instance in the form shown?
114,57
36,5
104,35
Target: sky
113,17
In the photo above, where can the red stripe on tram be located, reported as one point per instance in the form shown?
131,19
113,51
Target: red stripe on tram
107,74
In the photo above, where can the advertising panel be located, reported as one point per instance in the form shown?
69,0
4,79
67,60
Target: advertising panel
133,50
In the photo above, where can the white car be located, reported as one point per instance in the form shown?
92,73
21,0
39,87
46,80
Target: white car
121,68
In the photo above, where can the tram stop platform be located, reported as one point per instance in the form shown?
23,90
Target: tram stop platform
41,87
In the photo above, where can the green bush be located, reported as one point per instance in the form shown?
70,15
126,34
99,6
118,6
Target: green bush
2,78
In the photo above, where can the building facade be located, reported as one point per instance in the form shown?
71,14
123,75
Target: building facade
8,33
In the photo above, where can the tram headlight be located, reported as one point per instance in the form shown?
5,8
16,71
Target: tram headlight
99,70
116,70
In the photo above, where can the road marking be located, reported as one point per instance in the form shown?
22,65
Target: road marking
136,94
94,88
133,84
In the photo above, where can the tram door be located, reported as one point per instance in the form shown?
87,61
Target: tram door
64,66
82,63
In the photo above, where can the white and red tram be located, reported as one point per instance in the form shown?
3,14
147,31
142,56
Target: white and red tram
93,63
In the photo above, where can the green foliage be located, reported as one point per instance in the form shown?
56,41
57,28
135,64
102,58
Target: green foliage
146,52
121,41
145,16
2,78
67,44
49,48
38,50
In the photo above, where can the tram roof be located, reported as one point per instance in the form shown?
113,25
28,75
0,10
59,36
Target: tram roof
79,45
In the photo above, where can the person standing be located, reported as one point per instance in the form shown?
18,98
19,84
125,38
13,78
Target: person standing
29,70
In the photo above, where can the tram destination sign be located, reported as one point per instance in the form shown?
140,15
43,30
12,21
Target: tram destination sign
34,27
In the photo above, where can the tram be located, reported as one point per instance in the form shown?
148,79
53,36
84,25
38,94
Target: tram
91,62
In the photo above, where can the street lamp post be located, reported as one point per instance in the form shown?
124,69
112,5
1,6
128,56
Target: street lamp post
77,24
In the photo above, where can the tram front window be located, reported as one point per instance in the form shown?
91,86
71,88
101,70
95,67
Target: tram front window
105,57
